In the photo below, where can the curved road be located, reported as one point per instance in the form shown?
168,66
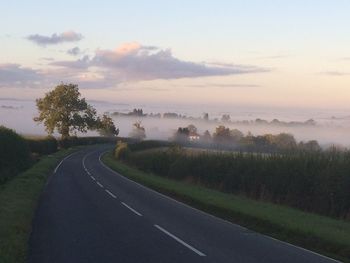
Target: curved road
88,213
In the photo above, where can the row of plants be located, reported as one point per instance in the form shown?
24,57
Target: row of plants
316,182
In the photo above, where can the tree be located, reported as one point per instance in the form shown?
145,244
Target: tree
181,135
206,116
222,134
106,126
138,132
206,137
226,118
63,109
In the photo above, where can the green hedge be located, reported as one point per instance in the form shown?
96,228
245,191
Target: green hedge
43,146
149,144
75,141
14,154
314,182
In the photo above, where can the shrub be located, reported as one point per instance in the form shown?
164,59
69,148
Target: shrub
149,144
14,154
74,141
121,151
43,146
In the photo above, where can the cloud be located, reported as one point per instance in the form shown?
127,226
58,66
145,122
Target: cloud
68,36
75,51
108,68
134,62
16,75
82,63
335,73
222,85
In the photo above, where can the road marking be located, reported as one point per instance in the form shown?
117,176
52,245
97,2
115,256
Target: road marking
303,249
111,194
83,162
58,166
180,241
100,185
165,196
93,178
131,209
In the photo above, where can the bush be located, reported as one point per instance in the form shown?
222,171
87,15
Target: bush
121,151
14,154
145,145
43,146
75,141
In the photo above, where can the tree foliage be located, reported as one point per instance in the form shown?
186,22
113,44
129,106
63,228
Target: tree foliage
138,132
106,126
63,110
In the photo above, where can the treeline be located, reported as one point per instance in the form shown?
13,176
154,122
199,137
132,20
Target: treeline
18,153
233,139
316,182
225,118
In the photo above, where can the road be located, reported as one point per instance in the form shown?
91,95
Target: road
88,213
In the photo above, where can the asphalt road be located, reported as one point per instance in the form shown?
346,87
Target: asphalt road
88,213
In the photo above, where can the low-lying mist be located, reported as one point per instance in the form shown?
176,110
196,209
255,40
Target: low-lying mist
329,128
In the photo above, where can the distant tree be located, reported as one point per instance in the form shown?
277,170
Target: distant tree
206,116
182,134
106,126
192,129
170,115
206,137
311,146
222,134
225,118
138,132
236,135
63,109
137,112
285,141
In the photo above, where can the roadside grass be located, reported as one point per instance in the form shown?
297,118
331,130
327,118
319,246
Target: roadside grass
18,200
322,234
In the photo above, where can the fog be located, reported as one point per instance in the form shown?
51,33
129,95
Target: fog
332,127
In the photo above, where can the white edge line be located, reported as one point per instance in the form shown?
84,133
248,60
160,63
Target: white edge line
99,184
181,241
167,197
131,209
218,218
83,162
111,194
304,249
93,178
58,166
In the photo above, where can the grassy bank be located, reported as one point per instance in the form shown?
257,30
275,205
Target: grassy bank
322,234
18,199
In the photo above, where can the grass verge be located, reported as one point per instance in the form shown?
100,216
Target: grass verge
325,235
18,199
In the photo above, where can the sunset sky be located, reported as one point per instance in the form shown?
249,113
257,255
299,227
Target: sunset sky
262,53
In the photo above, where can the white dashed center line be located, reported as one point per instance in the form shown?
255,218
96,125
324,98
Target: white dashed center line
100,185
93,178
131,209
111,194
181,241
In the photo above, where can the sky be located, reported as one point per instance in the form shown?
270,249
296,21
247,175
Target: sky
247,53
